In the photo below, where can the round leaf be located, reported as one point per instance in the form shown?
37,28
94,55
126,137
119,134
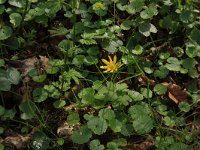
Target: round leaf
5,32
82,135
59,103
97,125
15,19
160,89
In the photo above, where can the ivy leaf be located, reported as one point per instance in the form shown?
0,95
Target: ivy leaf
13,75
17,3
39,95
192,50
135,6
147,28
149,12
138,50
160,89
28,108
184,106
5,32
96,145
98,125
126,25
189,63
194,35
112,45
15,19
82,135
59,103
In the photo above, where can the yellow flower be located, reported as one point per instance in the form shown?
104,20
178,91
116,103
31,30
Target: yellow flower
111,65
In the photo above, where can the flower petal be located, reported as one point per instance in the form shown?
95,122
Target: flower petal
115,59
110,59
103,67
105,61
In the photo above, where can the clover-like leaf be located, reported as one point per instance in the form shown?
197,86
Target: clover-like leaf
107,114
184,106
134,6
136,96
59,103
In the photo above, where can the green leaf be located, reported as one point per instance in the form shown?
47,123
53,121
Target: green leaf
2,147
138,50
5,84
2,9
52,70
39,95
195,98
17,3
116,143
189,63
87,96
2,110
194,35
1,130
60,141
126,25
107,114
9,114
2,1
82,135
2,62
112,45
5,32
115,125
180,146
184,106
149,12
187,16
15,19
161,73
163,143
147,93
96,145
39,78
97,125
169,121
147,28
100,8
134,6
142,122
136,96
59,103
160,89
192,50
13,76
28,108
40,141
73,118
164,55
90,60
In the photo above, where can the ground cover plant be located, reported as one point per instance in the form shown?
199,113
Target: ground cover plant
100,74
